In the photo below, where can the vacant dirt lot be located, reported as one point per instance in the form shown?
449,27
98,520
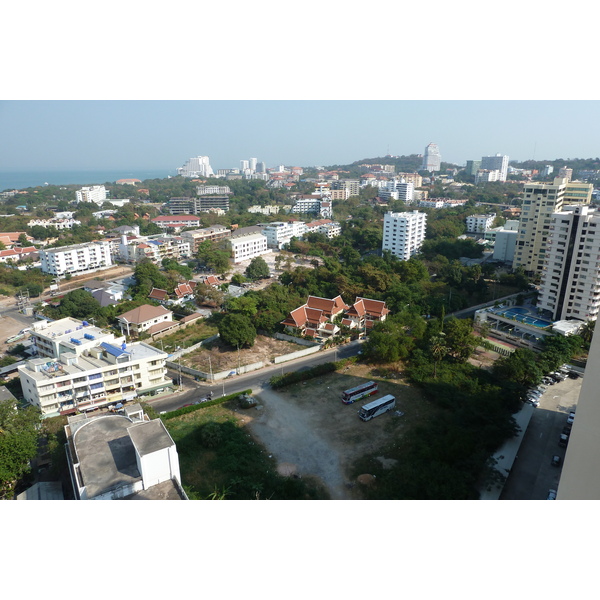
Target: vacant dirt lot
222,357
311,432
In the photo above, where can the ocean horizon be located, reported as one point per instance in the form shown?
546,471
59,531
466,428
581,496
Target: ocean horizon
19,180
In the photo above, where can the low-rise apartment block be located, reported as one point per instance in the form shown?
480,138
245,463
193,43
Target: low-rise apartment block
76,259
90,371
480,223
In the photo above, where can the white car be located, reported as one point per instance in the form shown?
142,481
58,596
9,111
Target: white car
533,401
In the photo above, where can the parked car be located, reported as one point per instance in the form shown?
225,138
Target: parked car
574,375
556,460
533,402
567,430
551,495
571,418
563,440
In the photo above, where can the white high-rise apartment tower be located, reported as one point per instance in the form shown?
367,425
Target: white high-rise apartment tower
432,158
253,163
403,233
496,163
198,166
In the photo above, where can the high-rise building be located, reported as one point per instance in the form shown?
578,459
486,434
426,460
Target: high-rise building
253,162
403,233
432,159
580,476
566,173
540,201
496,163
472,167
570,283
244,165
198,166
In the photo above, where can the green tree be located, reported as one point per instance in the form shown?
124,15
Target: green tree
257,269
237,330
18,443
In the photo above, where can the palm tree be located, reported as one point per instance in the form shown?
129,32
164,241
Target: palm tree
438,349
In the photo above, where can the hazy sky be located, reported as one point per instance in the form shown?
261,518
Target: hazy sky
148,134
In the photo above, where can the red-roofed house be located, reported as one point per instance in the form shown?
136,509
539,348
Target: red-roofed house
364,313
183,292
15,254
212,280
159,295
315,318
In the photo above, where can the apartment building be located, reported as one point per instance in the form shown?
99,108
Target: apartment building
76,259
486,175
479,223
432,158
397,189
570,281
122,456
198,166
203,190
57,223
176,221
498,162
540,201
94,193
245,247
91,370
403,233
278,234
212,234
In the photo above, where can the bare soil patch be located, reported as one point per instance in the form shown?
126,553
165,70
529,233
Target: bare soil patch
223,357
307,426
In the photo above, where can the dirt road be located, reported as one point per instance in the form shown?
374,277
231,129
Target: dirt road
283,428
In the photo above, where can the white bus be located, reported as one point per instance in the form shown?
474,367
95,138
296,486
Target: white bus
377,407
360,391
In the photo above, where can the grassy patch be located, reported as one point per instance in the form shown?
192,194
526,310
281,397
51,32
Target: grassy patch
192,334
219,458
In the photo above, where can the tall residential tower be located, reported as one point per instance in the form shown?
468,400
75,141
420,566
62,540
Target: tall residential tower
432,158
403,233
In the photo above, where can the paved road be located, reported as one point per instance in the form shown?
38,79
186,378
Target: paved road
532,474
256,380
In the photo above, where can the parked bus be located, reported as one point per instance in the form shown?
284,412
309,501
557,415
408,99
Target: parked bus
358,392
377,407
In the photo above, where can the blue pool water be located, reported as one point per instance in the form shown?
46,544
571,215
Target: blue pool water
522,315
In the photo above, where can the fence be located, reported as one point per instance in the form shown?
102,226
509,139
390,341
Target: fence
296,340
215,376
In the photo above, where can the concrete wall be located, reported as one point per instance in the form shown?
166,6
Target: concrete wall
215,376
296,340
298,354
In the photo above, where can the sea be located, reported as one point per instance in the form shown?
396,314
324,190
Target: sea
19,180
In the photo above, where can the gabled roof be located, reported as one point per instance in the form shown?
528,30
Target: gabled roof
211,280
158,294
328,306
366,306
183,289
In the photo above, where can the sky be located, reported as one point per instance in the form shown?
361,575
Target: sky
67,135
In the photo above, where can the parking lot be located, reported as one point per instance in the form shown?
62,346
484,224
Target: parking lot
533,473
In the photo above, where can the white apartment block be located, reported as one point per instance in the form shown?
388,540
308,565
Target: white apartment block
403,233
570,282
485,176
397,189
499,163
479,223
76,259
278,234
92,369
298,228
212,189
198,166
540,201
263,210
95,193
248,247
57,223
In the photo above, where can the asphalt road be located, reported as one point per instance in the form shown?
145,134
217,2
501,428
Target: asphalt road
193,390
532,474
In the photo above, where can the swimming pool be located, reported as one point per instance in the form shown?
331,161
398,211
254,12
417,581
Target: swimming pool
523,315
